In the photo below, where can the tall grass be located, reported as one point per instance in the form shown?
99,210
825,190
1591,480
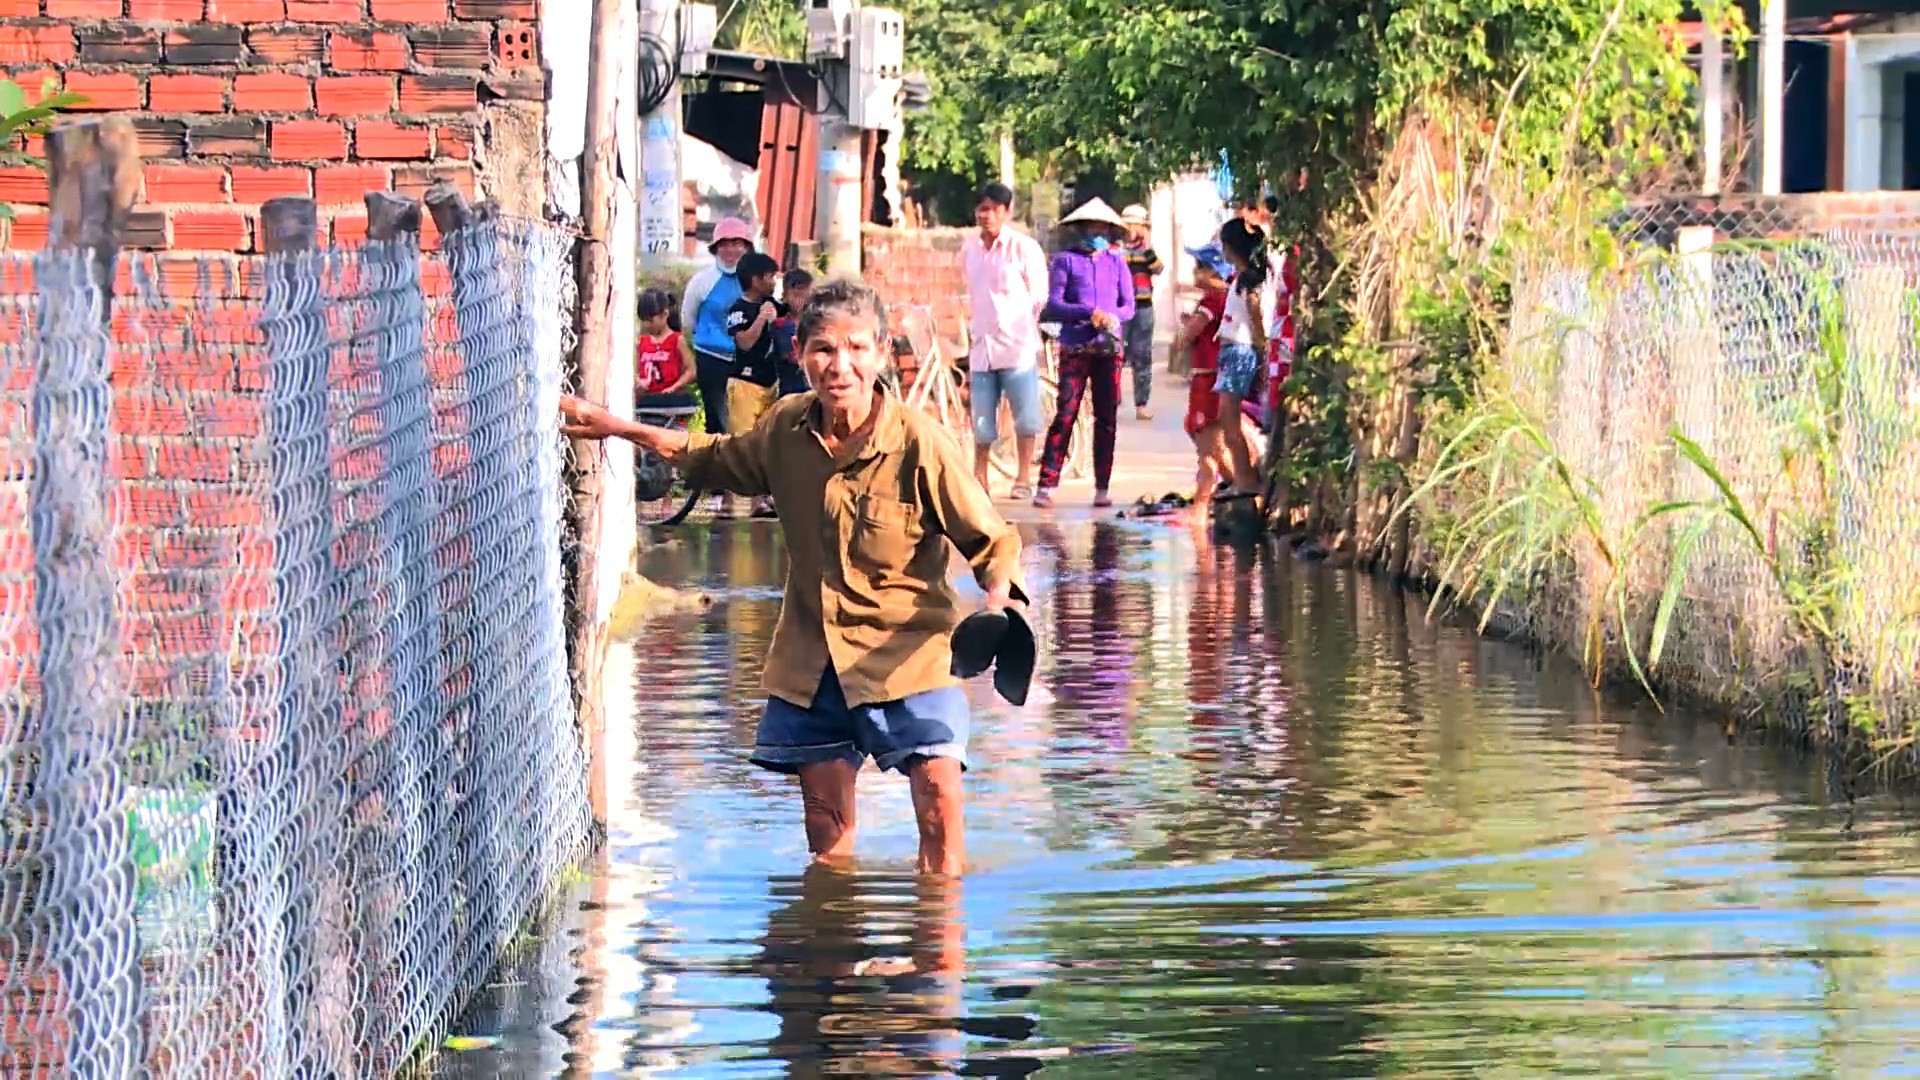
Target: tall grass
1777,547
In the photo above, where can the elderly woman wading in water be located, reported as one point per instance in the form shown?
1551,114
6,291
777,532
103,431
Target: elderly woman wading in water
869,495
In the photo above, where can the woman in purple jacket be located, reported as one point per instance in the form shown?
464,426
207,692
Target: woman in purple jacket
1090,294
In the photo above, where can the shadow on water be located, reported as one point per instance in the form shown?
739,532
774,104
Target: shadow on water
1263,818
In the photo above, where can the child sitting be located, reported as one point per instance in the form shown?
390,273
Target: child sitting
664,365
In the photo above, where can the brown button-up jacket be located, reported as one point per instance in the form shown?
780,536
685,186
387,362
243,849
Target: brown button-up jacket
867,545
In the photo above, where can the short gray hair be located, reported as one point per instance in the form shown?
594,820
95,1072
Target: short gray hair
844,297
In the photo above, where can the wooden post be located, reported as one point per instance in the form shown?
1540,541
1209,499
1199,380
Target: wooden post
87,889
452,216
594,337
396,347
392,217
93,180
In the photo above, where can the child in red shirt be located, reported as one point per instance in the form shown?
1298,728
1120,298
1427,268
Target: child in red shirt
664,366
1199,333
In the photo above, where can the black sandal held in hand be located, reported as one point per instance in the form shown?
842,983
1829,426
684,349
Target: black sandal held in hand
1001,640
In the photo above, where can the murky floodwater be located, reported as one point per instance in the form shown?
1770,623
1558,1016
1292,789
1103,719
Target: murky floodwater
1267,820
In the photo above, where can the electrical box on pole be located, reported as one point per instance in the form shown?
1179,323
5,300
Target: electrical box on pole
829,25
876,63
698,25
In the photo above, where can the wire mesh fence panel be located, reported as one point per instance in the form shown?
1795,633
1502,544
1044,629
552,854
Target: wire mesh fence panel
1744,421
286,738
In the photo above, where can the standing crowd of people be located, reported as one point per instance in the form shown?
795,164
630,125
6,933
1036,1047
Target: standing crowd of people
1097,296
736,340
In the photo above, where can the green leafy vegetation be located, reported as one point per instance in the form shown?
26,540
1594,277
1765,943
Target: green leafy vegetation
21,116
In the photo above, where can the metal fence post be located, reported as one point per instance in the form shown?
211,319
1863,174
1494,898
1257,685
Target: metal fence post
83,788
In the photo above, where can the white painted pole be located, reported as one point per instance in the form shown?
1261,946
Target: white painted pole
1773,74
1713,79
837,184
661,223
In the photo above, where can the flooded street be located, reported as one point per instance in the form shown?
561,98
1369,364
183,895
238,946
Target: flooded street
1265,820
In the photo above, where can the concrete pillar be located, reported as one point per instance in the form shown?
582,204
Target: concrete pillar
1773,68
1892,81
1862,117
837,186
1713,77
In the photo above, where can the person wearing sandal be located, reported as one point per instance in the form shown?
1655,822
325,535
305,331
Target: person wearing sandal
1090,294
1243,342
1006,288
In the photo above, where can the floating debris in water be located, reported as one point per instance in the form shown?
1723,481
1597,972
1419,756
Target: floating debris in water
640,597
471,1042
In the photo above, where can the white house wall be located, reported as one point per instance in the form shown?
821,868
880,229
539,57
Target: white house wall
1875,103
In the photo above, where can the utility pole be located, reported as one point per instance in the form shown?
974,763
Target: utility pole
660,222
675,38
859,53
837,183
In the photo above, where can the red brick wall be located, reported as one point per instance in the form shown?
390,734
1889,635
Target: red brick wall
918,274
239,101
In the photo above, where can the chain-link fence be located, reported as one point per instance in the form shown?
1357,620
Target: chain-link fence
1744,216
1745,423
286,742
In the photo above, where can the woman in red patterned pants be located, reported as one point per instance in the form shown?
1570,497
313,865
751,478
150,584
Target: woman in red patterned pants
1090,294
1093,367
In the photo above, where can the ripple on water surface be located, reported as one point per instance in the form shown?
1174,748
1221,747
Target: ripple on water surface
1264,819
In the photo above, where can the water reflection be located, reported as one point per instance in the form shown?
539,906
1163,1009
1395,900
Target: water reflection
1265,820
864,974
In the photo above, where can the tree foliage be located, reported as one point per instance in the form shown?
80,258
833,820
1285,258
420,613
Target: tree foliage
973,54
1286,87
764,28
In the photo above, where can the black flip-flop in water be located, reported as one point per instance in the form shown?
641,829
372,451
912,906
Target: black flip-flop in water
1166,505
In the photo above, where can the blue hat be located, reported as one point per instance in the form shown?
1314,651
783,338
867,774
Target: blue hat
1213,257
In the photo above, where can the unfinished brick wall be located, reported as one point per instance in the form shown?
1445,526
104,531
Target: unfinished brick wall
239,101
919,276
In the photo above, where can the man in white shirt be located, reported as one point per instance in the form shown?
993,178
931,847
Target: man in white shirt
1006,288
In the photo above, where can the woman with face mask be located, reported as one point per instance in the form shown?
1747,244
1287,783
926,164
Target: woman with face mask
1090,294
703,317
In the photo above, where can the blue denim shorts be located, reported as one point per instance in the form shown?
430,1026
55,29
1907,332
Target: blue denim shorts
1239,364
1021,387
930,724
